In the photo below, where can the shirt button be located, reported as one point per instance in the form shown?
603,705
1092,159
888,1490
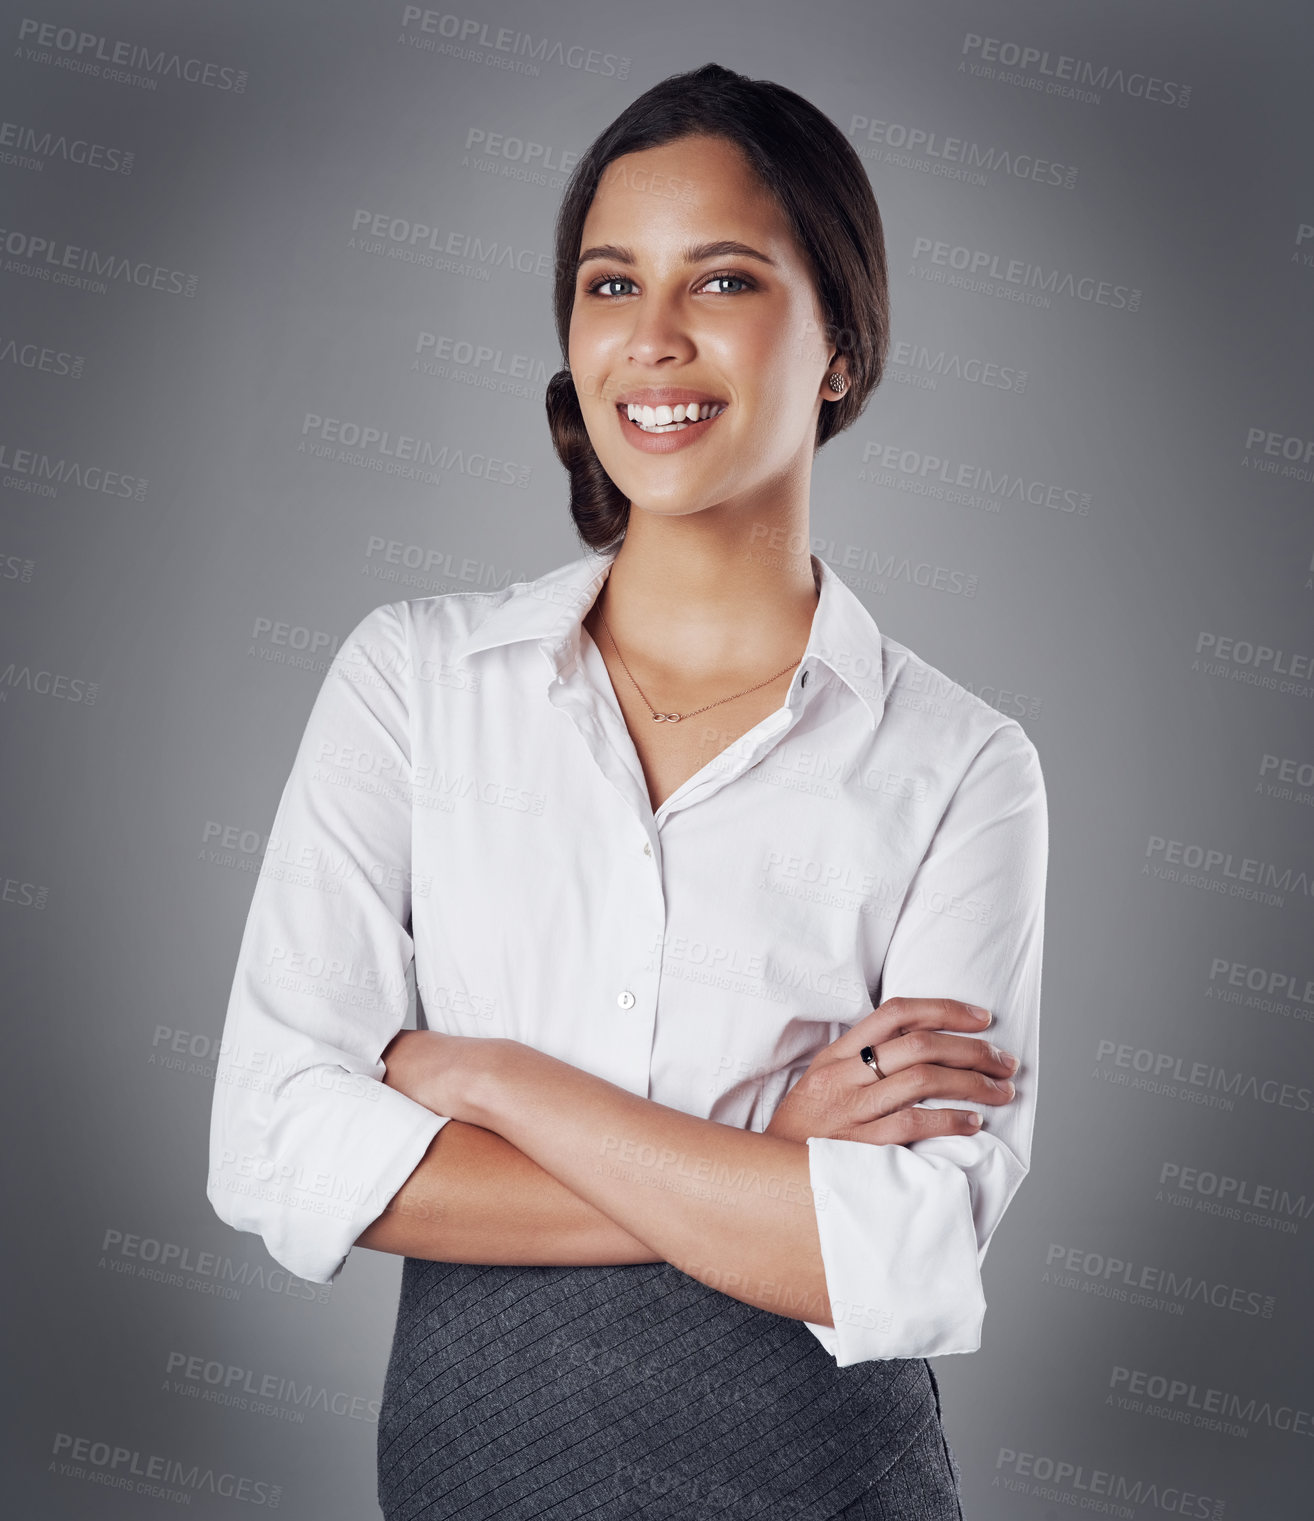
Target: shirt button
647,848
625,999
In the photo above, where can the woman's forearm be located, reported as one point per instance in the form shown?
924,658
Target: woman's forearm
477,1198
589,1173
732,1208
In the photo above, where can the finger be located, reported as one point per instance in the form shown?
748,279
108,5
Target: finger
925,1080
915,1124
896,1015
945,1050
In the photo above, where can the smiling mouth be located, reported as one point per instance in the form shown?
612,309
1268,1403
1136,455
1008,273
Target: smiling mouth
666,419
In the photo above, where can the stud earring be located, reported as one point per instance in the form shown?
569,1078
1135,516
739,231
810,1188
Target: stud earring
837,382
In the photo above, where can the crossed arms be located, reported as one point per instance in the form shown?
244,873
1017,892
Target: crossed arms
543,1163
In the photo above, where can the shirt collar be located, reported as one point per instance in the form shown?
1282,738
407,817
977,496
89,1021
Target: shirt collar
844,638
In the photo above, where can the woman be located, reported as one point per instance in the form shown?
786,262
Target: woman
683,1214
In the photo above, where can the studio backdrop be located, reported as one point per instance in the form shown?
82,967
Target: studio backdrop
274,334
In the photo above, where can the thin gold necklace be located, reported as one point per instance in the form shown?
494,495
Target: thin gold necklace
674,718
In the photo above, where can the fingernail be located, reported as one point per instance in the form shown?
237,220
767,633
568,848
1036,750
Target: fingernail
979,1011
974,1119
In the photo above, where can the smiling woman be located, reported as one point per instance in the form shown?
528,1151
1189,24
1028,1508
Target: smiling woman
686,1217
803,280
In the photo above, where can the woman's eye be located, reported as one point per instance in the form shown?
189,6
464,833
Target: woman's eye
600,286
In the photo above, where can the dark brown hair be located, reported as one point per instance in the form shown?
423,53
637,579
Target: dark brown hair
810,167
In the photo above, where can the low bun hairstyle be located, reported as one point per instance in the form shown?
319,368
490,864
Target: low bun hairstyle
811,168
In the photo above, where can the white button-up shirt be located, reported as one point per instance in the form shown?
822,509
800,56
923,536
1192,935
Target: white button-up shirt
467,810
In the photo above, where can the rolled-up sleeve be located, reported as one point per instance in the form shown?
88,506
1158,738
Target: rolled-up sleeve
307,1145
904,1229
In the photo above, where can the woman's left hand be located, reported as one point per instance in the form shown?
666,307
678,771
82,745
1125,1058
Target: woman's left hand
437,1070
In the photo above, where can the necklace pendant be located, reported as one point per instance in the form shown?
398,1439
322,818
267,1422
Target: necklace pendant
666,718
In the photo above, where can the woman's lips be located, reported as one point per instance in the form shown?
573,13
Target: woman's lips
679,437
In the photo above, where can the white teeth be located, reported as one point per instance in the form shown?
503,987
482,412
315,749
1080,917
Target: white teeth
665,419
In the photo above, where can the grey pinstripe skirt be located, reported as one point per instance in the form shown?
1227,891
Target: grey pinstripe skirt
636,1393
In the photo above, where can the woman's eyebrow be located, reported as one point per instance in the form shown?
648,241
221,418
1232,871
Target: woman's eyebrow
694,254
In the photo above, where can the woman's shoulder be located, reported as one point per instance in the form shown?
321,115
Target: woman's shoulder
501,611
415,632
454,614
951,717
447,617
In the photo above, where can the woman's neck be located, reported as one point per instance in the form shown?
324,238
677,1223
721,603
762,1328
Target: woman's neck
709,601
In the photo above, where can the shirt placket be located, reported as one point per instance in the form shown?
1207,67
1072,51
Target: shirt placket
632,921
739,755
600,723
603,726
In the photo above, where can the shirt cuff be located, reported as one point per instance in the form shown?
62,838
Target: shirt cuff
900,1252
335,1149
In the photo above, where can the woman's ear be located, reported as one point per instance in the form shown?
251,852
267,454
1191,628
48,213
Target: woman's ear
835,383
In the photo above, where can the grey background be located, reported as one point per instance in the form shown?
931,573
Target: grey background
151,703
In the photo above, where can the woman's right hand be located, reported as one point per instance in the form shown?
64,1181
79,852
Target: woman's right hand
841,1097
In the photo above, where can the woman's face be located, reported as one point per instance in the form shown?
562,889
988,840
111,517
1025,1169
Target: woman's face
654,325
